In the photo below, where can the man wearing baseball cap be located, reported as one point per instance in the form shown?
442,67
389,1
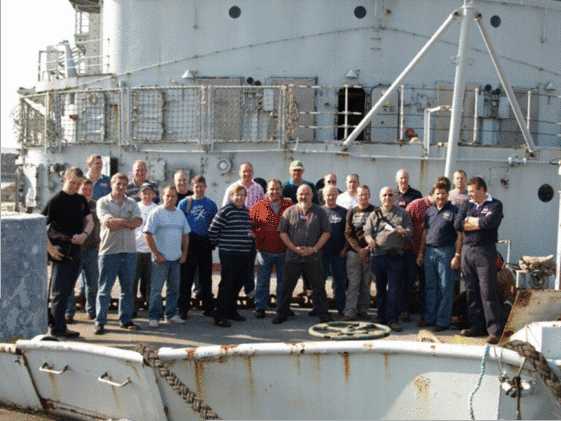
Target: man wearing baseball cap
296,171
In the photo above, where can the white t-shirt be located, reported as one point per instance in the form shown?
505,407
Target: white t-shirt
346,200
141,246
167,226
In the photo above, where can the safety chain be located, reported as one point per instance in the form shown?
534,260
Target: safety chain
539,363
482,372
199,405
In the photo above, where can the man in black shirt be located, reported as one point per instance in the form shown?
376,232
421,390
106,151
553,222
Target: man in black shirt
335,250
479,219
69,224
405,193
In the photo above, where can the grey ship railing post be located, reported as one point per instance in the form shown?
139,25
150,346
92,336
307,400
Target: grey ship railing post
459,89
364,122
507,88
475,116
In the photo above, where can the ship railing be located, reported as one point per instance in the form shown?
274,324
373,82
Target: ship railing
208,114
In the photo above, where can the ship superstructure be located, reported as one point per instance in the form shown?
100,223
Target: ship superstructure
205,86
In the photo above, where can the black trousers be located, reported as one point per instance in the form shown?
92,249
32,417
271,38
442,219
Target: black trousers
485,310
199,258
142,276
64,274
233,274
388,271
312,271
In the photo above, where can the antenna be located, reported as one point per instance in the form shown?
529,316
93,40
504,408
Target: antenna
465,14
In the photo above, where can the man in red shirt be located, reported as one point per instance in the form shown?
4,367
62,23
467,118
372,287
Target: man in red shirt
265,218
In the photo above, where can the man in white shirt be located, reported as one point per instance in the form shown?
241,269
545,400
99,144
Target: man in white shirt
349,198
167,235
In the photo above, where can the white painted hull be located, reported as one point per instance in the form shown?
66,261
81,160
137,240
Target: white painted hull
316,380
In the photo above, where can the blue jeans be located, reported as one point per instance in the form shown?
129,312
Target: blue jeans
267,261
164,272
439,285
336,266
111,266
89,274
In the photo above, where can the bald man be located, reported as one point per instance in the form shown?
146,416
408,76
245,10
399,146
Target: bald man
304,229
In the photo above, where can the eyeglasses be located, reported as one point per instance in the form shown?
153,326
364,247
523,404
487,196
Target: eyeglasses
387,195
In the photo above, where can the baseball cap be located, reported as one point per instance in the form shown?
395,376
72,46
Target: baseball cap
296,165
145,186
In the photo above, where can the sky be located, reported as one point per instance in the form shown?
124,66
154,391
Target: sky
27,26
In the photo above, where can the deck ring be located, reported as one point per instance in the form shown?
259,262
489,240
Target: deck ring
341,330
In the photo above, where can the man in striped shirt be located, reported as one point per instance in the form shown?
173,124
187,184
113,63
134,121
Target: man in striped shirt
230,230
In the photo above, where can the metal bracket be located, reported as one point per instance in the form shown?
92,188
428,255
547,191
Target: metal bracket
105,378
46,368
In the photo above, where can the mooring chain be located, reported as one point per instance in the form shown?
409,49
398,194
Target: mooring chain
524,349
199,405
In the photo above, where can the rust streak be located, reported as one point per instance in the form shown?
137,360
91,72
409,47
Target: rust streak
199,377
228,348
346,366
250,375
523,298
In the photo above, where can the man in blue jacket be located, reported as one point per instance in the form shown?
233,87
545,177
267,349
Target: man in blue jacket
479,219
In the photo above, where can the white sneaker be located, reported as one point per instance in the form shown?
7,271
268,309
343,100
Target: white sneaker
176,320
153,323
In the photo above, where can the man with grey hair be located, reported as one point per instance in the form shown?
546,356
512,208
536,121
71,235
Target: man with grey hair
329,180
387,232
181,183
304,229
139,177
405,194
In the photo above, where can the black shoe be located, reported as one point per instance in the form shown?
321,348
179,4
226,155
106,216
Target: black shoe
222,323
439,328
290,313
312,313
69,320
279,319
259,314
363,316
349,318
184,316
69,334
91,316
208,313
237,317
99,330
472,333
325,318
129,326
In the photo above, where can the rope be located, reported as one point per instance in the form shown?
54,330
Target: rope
197,404
479,381
550,379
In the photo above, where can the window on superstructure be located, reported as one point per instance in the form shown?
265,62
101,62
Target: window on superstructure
235,12
360,12
82,21
355,100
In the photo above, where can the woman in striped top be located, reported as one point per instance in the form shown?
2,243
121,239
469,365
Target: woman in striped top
230,230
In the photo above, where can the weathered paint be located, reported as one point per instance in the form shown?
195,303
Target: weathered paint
532,305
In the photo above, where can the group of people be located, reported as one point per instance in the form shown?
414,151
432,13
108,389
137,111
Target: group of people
106,229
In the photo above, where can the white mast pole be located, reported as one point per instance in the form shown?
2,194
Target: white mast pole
508,89
364,122
459,89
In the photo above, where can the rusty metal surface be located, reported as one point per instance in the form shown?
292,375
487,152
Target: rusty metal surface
532,305
79,390
16,385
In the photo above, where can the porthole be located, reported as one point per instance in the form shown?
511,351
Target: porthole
235,12
545,193
495,21
360,12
